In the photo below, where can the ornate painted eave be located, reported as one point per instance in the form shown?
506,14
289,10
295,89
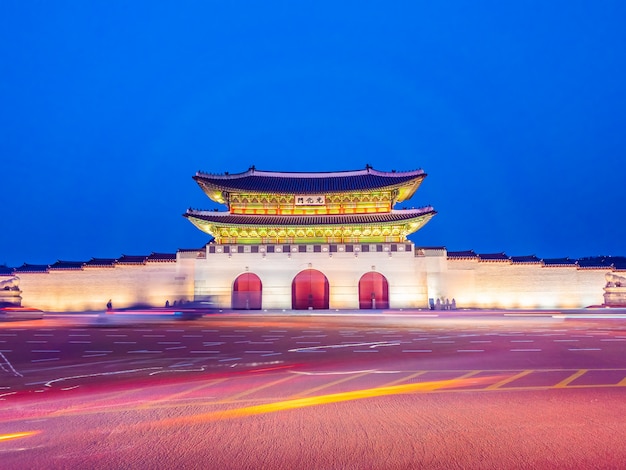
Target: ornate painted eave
231,228
217,187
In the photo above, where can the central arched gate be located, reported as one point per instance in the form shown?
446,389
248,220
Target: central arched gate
309,290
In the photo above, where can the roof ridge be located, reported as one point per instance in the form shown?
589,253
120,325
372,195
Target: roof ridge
252,171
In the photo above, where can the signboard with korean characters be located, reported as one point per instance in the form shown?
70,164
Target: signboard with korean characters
310,200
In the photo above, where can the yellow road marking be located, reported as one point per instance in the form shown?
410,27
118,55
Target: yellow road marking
330,384
571,378
259,388
173,396
405,379
469,374
320,400
509,380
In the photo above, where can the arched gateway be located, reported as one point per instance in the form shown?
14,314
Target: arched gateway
247,291
373,291
309,290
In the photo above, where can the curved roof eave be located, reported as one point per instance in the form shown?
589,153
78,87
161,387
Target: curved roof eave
226,218
309,183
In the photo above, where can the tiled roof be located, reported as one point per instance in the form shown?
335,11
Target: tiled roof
101,262
462,254
6,271
67,265
129,259
619,263
162,257
530,259
304,220
597,262
304,183
559,262
32,268
493,257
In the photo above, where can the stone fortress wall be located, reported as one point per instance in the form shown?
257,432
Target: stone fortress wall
416,277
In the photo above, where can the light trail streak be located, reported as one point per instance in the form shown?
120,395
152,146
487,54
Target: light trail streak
6,366
17,435
118,372
374,344
326,399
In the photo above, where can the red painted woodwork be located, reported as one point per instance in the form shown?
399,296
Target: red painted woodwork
373,291
247,291
309,289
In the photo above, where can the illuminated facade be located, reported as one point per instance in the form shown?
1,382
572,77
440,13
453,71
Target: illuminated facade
329,241
339,207
310,240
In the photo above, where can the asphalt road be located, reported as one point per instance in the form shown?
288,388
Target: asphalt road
298,391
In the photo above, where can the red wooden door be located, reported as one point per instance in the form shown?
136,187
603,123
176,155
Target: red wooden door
247,291
309,289
373,291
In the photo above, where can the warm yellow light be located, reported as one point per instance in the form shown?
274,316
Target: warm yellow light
331,398
17,435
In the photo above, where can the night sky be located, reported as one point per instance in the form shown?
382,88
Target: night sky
516,110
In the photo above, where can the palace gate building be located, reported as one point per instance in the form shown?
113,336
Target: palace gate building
311,240
328,240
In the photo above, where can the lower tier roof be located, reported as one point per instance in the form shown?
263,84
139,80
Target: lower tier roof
234,228
226,218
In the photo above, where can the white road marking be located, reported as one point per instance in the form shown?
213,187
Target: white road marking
61,379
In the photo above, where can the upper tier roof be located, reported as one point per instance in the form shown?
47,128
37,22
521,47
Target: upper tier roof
276,182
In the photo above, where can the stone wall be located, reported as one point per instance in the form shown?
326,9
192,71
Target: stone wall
502,284
90,288
415,275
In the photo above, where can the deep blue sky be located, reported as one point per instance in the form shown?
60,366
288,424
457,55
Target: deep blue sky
517,112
